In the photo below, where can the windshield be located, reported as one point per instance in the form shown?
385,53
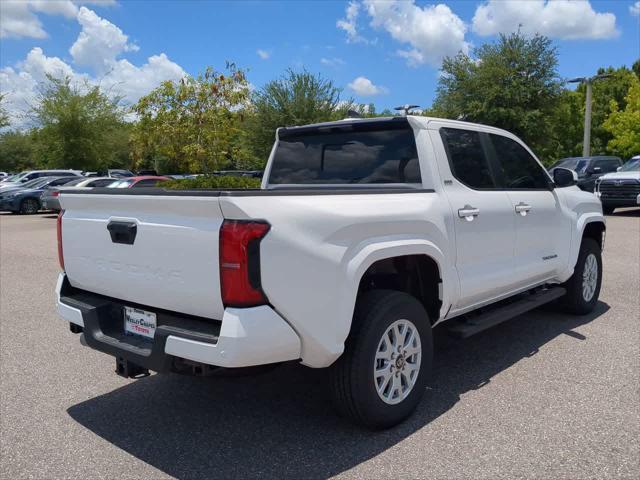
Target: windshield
34,183
121,184
577,164
12,178
75,181
631,166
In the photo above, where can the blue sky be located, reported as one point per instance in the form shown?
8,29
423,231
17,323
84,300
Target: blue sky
387,53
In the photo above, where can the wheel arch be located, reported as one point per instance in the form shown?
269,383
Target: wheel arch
414,267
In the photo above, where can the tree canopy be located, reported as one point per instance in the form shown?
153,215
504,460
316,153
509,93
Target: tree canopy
511,84
81,127
297,98
624,123
193,124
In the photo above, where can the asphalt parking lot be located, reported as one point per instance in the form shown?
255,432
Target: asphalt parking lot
543,396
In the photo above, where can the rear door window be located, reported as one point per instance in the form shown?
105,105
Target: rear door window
379,153
467,158
517,169
607,165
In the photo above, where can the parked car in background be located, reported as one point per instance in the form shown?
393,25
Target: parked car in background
50,200
151,173
27,201
25,176
137,182
10,186
621,188
119,173
589,169
239,173
3,175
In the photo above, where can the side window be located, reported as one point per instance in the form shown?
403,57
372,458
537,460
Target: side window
607,166
517,168
467,159
101,183
146,183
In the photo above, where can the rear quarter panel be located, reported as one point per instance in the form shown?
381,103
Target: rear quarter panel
319,246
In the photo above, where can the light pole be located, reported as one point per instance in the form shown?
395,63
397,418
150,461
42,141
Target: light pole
588,81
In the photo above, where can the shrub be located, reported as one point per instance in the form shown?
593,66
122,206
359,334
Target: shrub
212,182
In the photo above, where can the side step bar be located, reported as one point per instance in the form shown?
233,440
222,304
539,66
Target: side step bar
470,325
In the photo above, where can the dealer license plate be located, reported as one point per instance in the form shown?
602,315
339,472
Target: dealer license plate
139,322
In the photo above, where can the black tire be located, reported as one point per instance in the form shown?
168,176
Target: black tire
353,382
29,206
574,301
607,210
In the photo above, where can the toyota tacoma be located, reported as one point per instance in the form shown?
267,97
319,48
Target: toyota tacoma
364,235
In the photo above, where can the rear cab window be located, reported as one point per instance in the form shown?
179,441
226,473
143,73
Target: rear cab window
380,152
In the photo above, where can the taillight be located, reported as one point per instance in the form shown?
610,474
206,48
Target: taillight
59,229
55,194
240,262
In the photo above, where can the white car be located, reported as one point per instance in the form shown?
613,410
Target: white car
366,234
621,188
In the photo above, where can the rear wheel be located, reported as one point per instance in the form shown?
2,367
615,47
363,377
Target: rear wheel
383,372
583,288
29,206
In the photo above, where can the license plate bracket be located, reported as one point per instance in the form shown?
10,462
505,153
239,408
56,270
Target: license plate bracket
140,323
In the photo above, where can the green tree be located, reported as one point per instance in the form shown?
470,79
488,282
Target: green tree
17,151
4,115
612,89
297,98
624,124
80,127
511,84
193,124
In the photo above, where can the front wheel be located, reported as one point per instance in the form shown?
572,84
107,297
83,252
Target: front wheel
383,372
29,206
583,288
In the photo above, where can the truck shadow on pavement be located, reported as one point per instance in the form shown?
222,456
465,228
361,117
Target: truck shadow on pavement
280,424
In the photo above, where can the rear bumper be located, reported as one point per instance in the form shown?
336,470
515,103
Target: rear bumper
244,337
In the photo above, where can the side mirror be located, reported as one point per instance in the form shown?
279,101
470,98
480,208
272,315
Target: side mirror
594,170
563,177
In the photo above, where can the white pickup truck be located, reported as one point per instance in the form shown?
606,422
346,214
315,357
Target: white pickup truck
365,234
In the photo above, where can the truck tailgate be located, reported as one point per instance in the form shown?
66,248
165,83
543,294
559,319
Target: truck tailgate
164,250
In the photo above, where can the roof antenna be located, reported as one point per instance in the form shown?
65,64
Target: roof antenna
406,109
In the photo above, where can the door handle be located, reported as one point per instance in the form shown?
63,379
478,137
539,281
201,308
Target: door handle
523,208
468,212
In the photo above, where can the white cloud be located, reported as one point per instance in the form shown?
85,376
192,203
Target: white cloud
18,17
634,9
432,32
350,23
106,43
364,87
558,19
332,62
263,54
99,41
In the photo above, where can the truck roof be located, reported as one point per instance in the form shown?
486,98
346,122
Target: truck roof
422,120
